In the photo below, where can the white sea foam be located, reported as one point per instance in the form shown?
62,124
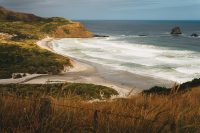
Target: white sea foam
189,70
145,59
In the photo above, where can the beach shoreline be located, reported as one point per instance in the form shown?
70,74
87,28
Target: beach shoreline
89,72
81,72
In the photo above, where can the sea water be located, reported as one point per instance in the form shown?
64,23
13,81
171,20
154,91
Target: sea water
142,47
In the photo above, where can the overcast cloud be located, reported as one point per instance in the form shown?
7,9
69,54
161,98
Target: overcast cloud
110,9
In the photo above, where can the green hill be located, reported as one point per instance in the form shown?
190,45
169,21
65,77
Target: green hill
9,15
19,33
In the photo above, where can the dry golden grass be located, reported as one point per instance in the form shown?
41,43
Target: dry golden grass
179,112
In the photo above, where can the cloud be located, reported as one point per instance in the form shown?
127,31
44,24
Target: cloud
24,3
99,3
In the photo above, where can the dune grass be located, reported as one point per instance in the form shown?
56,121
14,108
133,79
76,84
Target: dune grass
61,90
27,57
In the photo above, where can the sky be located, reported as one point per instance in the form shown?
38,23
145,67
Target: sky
109,9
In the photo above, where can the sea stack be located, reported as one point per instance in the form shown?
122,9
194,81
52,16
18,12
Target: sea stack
194,35
176,31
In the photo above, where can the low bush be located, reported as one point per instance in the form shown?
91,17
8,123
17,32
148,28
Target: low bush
177,88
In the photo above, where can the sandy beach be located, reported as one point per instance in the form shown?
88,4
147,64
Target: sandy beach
88,72
81,72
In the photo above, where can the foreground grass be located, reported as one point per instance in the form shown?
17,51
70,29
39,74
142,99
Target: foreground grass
177,112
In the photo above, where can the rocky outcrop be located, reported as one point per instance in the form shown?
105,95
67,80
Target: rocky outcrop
194,35
142,35
176,31
8,15
100,35
72,30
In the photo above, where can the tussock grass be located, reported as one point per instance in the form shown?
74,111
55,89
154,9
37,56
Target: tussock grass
178,112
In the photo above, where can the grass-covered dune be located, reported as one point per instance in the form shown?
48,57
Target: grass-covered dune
26,57
85,91
19,33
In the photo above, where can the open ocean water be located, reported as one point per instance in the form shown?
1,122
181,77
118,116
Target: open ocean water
141,47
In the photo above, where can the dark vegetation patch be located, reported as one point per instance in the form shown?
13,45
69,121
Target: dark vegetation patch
86,91
26,57
177,88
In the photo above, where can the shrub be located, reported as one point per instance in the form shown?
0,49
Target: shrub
177,88
157,90
17,76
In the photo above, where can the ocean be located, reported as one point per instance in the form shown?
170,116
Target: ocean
141,47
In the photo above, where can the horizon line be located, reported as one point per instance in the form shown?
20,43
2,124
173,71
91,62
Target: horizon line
137,19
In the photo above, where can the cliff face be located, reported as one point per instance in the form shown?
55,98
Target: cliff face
72,30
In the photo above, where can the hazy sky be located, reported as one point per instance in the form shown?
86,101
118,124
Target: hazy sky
110,9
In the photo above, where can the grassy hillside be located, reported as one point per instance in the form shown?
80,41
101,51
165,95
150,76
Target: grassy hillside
18,37
9,15
26,57
176,112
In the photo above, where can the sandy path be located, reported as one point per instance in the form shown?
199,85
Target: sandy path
21,80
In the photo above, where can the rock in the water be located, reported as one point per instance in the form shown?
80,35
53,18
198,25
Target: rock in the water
100,36
142,35
176,31
194,35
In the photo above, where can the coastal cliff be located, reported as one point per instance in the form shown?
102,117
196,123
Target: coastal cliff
72,30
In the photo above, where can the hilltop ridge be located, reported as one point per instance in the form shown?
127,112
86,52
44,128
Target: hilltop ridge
9,15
